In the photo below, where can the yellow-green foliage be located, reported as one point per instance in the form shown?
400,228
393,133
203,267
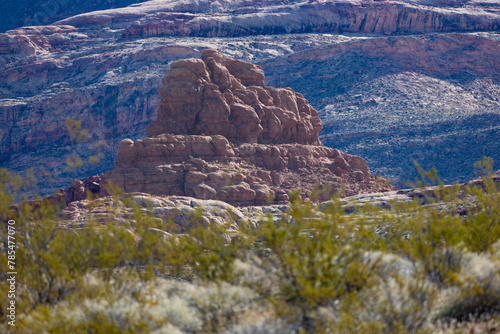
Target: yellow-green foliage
318,269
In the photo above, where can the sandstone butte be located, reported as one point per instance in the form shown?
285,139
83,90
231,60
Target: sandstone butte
222,134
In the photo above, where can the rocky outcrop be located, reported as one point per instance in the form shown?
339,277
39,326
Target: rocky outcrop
224,96
80,190
222,134
379,17
178,210
182,212
40,12
396,100
211,167
105,68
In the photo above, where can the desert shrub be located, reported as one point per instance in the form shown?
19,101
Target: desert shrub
263,326
312,260
135,306
396,305
406,304
320,269
53,260
479,292
483,218
483,223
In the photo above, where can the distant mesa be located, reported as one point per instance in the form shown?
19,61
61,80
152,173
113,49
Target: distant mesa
222,134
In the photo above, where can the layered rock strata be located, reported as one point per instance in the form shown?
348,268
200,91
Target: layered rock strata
181,211
217,95
222,134
104,68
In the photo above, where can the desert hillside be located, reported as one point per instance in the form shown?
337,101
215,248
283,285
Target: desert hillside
222,167
393,81
22,13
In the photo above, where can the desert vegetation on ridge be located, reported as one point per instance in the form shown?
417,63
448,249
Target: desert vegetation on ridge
410,80
424,266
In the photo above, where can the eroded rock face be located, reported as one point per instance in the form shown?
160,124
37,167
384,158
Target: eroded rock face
360,16
180,211
222,134
41,12
431,99
105,68
224,96
211,167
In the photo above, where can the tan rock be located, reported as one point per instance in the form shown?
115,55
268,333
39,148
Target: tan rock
359,175
341,163
248,174
203,191
195,177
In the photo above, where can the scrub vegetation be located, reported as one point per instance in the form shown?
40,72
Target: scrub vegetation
431,265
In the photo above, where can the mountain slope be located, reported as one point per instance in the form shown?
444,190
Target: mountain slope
19,13
356,61
433,99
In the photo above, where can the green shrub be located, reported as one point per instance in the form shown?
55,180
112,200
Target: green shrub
393,269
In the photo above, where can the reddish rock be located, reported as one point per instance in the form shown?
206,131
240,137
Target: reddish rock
359,16
80,190
223,96
217,138
112,86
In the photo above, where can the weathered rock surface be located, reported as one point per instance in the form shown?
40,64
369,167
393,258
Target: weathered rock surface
182,212
225,96
105,68
243,18
395,100
19,13
211,167
222,134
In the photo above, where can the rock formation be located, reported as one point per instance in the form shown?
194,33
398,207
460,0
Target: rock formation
396,100
222,134
105,68
40,12
181,211
224,96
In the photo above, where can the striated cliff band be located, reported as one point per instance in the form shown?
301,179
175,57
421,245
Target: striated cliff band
393,81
